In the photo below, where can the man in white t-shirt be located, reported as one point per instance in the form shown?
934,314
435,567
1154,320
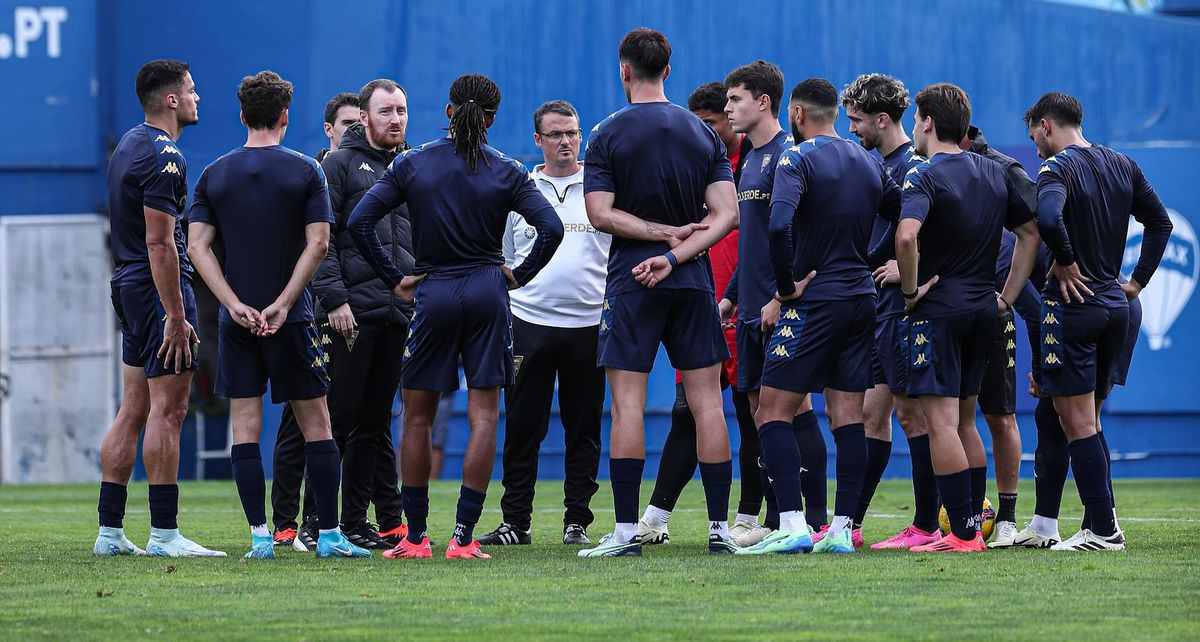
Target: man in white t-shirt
556,322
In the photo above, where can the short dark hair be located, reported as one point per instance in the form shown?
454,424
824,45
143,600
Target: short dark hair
819,96
950,109
759,77
560,107
343,99
156,76
877,94
264,96
647,51
1061,108
368,90
710,97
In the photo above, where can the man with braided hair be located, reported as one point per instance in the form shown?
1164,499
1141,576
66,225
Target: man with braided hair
459,191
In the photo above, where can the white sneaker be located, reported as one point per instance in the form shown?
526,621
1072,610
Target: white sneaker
608,547
650,534
1086,540
1004,535
748,533
169,543
112,541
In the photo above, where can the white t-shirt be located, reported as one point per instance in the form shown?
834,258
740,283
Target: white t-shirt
569,291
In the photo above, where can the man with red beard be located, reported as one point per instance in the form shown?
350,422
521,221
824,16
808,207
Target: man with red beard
368,323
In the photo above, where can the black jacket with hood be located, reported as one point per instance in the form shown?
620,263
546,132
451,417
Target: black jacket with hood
345,276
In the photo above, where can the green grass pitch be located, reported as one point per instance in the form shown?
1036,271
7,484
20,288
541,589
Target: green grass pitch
52,588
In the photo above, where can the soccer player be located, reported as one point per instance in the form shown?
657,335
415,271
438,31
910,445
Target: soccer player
341,112
957,204
269,207
1086,193
998,391
826,194
754,95
651,170
367,324
459,191
875,104
153,298
677,464
556,321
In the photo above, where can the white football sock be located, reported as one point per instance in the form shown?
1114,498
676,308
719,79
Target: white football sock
656,516
839,524
793,520
624,532
719,528
1044,526
749,519
260,531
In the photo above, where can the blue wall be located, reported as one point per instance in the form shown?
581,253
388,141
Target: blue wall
1136,75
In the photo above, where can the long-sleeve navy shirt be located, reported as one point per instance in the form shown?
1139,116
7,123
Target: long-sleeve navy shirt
1085,197
459,217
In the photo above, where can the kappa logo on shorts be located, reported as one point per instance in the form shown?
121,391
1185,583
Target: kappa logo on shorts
1050,340
407,352
791,315
1012,345
1009,327
1050,319
785,331
1053,360
920,360
921,344
780,351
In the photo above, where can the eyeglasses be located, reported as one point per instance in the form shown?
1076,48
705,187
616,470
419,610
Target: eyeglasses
558,135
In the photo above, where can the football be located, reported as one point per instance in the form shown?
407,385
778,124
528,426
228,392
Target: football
989,519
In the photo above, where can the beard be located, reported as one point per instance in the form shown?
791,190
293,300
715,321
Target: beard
795,132
384,137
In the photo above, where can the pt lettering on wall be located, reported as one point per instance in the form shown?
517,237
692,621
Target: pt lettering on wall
31,24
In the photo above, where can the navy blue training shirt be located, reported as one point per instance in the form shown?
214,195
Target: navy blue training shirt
657,159
964,202
146,170
459,218
756,276
260,199
896,165
1085,197
827,193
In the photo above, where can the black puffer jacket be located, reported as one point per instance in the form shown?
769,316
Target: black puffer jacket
344,275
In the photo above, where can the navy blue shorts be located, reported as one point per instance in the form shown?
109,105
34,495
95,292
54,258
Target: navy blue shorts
293,360
686,322
822,344
1121,371
891,353
751,349
142,318
948,355
460,318
998,394
1081,346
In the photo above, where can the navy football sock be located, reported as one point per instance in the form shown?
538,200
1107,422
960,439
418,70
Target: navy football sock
925,488
850,442
815,460
325,475
416,507
717,479
978,492
470,506
248,476
112,504
955,490
782,458
1107,466
1087,462
164,506
1008,508
1051,461
879,452
772,519
626,478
